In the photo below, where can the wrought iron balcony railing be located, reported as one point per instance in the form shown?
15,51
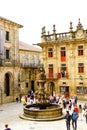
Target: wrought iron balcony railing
31,65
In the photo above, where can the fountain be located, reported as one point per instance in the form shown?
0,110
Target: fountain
42,110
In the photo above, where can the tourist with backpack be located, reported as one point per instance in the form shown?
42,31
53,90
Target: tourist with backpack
74,119
68,119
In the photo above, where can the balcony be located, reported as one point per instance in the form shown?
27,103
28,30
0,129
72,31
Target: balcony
51,76
31,65
63,75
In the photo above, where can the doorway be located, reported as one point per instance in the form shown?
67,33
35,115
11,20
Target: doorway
67,94
32,85
7,84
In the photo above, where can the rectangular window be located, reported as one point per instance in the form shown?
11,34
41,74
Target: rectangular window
81,90
51,71
80,68
7,54
63,54
50,52
7,36
80,50
62,89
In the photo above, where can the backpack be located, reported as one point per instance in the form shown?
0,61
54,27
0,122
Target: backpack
74,116
68,117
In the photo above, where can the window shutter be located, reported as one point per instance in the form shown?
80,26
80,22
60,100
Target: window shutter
67,75
59,75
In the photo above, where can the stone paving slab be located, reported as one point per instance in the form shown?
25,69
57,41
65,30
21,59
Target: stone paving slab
9,113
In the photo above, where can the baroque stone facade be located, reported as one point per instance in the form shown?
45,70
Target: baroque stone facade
63,55
65,61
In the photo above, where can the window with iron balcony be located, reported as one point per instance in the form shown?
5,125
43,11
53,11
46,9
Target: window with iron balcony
63,72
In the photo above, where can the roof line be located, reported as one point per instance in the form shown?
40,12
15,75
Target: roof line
5,19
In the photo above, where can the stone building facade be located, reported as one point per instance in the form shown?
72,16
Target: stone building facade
63,55
30,59
9,59
18,62
65,61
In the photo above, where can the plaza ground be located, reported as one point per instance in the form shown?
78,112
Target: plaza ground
9,113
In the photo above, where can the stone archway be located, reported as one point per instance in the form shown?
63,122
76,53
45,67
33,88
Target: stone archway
8,83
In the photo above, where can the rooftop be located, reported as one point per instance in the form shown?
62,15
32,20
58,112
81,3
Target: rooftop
25,46
9,21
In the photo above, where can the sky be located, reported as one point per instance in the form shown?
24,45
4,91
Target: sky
34,14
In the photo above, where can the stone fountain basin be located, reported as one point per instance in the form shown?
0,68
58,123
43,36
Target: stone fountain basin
34,112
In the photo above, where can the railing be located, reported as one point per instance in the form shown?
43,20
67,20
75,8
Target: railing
53,76
31,65
59,36
57,76
60,75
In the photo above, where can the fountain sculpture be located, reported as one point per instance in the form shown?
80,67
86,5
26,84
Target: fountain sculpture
42,110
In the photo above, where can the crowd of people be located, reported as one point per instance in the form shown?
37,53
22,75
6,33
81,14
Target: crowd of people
74,111
70,105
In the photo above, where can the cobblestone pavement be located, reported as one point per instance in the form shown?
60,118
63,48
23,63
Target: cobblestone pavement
9,113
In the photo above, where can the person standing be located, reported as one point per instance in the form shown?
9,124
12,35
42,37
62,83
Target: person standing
68,119
70,104
76,108
76,98
74,119
17,99
20,96
86,115
80,112
6,127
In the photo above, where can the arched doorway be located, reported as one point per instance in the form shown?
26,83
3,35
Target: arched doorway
52,88
7,84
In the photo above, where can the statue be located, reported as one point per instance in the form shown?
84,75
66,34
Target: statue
41,73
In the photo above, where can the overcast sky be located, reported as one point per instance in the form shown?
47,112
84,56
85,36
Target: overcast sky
34,14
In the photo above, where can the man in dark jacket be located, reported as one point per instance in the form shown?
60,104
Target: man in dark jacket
68,119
